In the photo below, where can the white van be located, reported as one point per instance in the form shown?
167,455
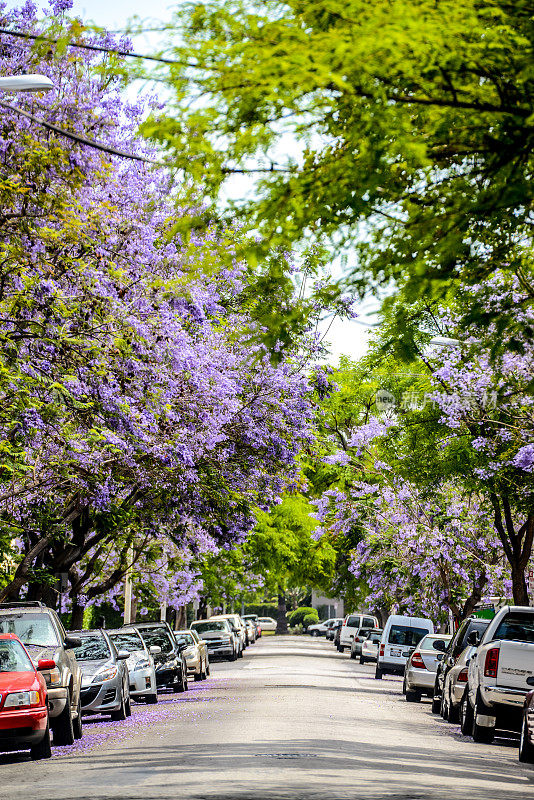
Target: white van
400,637
351,625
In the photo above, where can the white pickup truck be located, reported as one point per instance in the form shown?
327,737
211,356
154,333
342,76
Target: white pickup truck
498,673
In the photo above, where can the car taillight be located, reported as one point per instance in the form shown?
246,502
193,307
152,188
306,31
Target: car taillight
382,649
462,675
344,623
492,663
417,661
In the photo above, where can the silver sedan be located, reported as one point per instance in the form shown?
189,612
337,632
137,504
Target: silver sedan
105,686
141,669
420,674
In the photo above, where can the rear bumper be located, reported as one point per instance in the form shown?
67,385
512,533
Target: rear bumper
391,666
22,728
420,679
503,695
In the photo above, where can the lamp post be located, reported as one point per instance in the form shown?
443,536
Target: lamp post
26,83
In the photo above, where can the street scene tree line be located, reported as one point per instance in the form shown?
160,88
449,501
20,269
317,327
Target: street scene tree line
168,409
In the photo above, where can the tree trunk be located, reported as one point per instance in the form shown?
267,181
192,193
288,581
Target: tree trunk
76,622
181,618
519,586
281,618
202,612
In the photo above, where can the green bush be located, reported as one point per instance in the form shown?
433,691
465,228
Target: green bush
297,616
262,609
310,619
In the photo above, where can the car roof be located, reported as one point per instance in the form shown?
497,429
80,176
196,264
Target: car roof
124,629
10,636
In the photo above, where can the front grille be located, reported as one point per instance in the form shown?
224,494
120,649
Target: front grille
88,695
109,697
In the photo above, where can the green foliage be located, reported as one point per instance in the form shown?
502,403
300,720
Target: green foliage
298,616
310,619
262,609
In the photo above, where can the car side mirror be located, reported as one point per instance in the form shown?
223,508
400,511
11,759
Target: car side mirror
440,645
45,663
530,681
122,655
154,649
473,638
71,642
440,656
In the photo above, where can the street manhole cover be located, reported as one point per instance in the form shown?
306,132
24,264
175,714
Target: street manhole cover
285,755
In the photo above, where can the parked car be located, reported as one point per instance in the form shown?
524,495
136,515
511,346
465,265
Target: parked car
359,637
370,646
221,640
321,628
24,722
170,663
267,623
498,673
451,675
140,663
45,639
203,649
105,682
238,626
400,637
526,740
350,627
337,635
194,655
255,619
251,631
422,665
331,632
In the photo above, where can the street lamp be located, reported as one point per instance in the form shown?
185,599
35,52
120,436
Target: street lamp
26,83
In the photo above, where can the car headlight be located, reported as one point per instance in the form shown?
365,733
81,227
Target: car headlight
143,664
105,674
22,699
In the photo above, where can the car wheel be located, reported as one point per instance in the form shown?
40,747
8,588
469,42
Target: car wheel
77,724
466,717
233,656
151,698
362,660
413,696
62,726
454,713
444,707
128,707
120,713
43,749
482,733
378,674
198,675
404,685
207,669
436,704
353,654
315,633
240,654
526,749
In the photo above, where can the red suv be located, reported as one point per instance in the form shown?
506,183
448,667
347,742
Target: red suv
23,700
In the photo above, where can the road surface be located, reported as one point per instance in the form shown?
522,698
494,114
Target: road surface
292,720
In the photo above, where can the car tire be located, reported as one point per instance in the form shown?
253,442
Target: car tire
120,713
353,654
444,707
363,660
526,749
198,675
315,633
77,724
207,669
62,726
454,713
436,704
150,699
481,733
378,674
240,655
128,707
43,749
233,657
413,696
466,717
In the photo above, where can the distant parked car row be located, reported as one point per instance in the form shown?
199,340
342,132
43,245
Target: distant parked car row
51,678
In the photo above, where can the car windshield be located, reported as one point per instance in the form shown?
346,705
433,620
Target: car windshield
405,636
184,637
13,658
516,627
127,641
36,629
213,625
374,637
353,622
157,637
93,648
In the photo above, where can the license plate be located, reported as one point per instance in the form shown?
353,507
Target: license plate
395,653
407,653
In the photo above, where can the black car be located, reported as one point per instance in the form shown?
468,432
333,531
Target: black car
456,646
171,666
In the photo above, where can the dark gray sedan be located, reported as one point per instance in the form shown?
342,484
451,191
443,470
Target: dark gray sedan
105,684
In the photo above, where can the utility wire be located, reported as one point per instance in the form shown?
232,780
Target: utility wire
76,137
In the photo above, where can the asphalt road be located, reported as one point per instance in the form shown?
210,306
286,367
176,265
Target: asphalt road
292,720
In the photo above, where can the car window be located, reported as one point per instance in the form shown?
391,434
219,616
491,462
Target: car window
473,625
157,637
32,629
13,658
210,625
516,627
127,641
353,621
374,637
407,637
428,642
368,622
93,648
184,638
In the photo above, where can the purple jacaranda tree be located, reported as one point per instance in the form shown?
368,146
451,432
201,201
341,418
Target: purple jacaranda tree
136,406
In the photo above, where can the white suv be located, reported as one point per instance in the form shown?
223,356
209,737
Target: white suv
321,628
351,625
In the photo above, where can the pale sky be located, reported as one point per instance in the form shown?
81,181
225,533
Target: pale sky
345,336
